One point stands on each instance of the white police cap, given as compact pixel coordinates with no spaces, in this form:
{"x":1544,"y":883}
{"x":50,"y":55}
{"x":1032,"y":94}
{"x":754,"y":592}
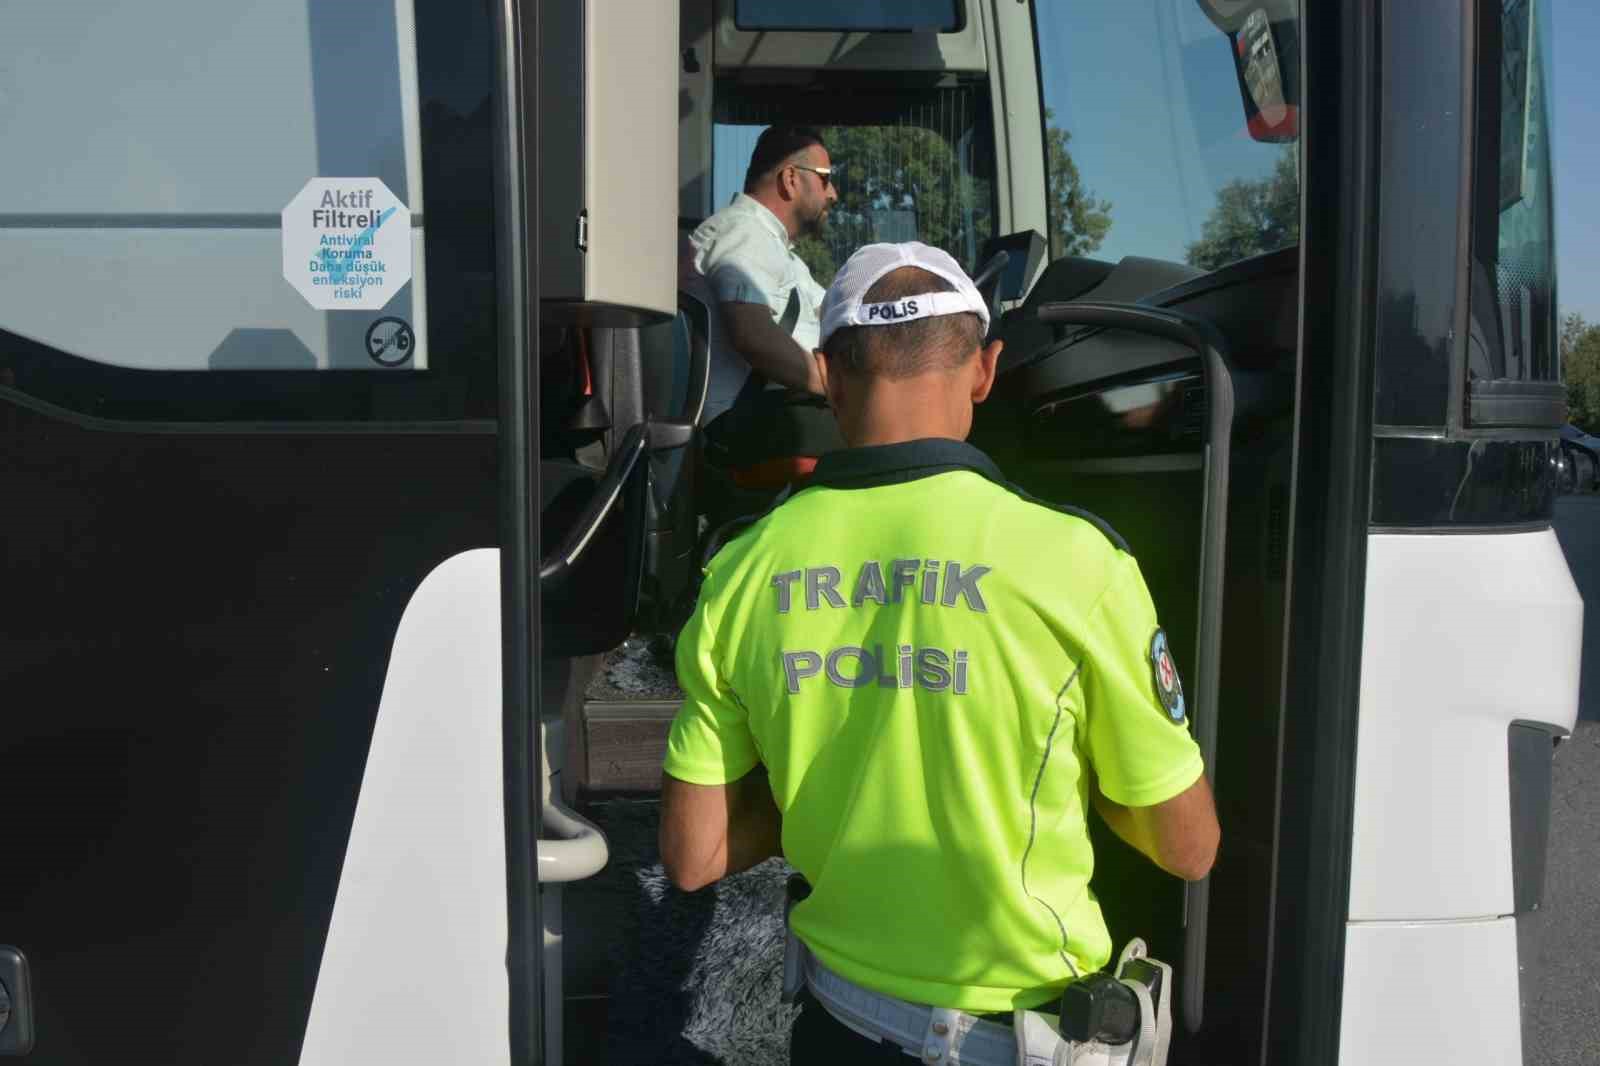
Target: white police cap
{"x":842,"y":305}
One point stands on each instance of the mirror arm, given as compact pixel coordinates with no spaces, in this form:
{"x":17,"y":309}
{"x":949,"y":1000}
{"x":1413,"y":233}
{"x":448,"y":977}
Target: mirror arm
{"x":988,"y":283}
{"x":991,"y":270}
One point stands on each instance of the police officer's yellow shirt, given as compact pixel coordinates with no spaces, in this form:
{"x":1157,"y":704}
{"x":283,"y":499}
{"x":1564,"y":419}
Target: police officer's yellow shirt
{"x":929,"y":663}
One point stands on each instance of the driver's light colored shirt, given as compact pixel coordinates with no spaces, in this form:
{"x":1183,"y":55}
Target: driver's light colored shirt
{"x":745,"y":256}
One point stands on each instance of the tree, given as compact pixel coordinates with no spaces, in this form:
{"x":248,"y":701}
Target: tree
{"x":1078,"y":222}
{"x":1573,"y":327}
{"x":1251,"y":217}
{"x":1580,"y":365}
{"x":897,"y":183}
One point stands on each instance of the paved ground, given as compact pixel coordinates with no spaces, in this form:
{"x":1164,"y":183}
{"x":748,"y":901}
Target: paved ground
{"x":1561,"y":943}
{"x":1578,"y":527}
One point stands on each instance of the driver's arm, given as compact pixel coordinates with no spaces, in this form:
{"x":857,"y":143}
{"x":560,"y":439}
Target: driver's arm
{"x":1180,"y":835}
{"x":744,"y":271}
{"x":767,"y":348}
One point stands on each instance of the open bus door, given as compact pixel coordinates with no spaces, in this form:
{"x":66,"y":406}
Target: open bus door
{"x":274,"y":547}
{"x":222,"y":490}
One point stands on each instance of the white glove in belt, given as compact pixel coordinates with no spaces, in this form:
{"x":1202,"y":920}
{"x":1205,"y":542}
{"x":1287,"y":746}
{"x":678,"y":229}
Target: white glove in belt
{"x":946,"y":1037}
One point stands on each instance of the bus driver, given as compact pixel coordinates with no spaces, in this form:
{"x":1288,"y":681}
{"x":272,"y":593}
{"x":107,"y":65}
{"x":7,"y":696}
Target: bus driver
{"x":745,"y":253}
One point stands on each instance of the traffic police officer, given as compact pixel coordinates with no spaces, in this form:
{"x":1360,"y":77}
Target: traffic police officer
{"x":911,"y":680}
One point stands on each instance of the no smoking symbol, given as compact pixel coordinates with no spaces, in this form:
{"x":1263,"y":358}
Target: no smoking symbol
{"x":389,"y":341}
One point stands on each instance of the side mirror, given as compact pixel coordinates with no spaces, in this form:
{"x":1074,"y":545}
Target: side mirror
{"x":1009,"y":263}
{"x":1265,"y":40}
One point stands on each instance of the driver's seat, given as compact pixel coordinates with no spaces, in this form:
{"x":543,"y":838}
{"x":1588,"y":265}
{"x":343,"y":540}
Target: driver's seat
{"x":768,"y":441}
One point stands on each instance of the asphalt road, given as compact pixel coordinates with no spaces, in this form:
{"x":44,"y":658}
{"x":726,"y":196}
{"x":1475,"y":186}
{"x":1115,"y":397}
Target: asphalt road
{"x":1561,"y":942}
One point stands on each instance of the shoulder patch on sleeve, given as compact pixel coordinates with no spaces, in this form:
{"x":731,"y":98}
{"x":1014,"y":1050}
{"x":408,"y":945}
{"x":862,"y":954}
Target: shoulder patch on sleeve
{"x":1076,"y":512}
{"x":1169,"y":689}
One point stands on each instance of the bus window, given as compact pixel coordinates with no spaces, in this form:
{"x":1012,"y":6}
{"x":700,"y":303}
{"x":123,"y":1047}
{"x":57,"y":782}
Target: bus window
{"x":908,"y":166}
{"x":1147,"y":149}
{"x":152,"y":152}
{"x":1512,"y":289}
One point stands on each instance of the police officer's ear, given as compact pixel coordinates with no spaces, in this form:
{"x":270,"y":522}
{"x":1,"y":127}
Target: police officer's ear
{"x":984,"y":369}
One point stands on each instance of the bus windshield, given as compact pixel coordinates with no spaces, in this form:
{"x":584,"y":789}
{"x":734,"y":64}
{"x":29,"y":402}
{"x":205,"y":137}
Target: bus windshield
{"x":1148,"y":150}
{"x":908,"y":165}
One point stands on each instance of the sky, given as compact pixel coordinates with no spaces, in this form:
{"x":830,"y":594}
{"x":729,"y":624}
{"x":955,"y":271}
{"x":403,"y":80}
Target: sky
{"x":1576,"y":81}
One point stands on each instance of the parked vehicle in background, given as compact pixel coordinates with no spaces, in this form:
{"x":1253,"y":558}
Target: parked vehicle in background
{"x":1580,"y":460}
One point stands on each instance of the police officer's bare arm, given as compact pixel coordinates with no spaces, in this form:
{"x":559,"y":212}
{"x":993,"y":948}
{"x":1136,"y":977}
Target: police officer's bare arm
{"x":710,"y":831}
{"x":1180,"y":835}
{"x":770,"y":351}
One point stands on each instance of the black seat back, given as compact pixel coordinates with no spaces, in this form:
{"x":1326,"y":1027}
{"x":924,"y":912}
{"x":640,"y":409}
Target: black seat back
{"x":675,"y":372}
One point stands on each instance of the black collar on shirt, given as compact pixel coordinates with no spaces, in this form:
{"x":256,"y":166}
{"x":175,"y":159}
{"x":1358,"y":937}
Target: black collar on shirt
{"x":892,"y":464}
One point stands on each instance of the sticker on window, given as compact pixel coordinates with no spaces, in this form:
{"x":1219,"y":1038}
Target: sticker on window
{"x":346,"y":244}
{"x":389,"y":341}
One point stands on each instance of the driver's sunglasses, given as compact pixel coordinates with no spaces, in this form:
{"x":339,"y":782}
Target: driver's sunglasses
{"x":825,"y":173}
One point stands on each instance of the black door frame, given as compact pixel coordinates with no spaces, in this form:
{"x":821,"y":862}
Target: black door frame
{"x":516,"y":125}
{"x":1329,"y":523}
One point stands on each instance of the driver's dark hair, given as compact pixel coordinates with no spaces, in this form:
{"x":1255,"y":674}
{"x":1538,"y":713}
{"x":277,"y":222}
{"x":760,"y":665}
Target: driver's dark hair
{"x":776,"y":144}
{"x":905,"y":349}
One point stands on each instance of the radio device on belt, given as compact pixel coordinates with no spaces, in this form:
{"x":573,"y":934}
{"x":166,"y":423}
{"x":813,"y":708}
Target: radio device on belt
{"x":1103,"y":1019}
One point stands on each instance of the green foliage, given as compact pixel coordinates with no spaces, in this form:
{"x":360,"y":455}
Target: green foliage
{"x":1078,"y":222}
{"x":906,"y":181}
{"x":1580,"y":365}
{"x":898,"y":183}
{"x":1251,"y":217}
{"x":818,"y":255}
